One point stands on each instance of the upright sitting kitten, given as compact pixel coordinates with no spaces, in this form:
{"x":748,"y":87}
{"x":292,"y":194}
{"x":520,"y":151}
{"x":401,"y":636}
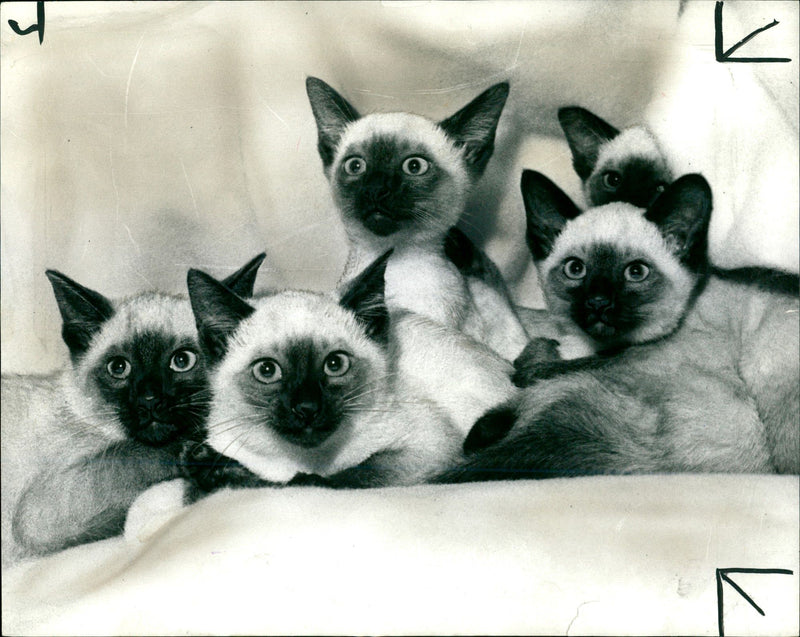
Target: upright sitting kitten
{"x":80,"y":445}
{"x":401,"y":181}
{"x":713,"y":386}
{"x":304,"y":386}
{"x":614,"y":166}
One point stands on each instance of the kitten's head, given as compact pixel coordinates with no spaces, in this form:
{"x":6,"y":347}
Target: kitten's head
{"x":291,"y":369}
{"x":395,"y":174}
{"x":620,"y":276}
{"x":136,"y":363}
{"x":624,"y":166}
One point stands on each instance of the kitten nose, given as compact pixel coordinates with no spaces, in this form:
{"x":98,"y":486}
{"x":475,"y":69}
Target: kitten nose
{"x":599,"y":302}
{"x":306,"y":410}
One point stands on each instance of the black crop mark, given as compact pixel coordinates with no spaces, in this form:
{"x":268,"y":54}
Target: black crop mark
{"x":39,"y":26}
{"x":725,"y":56}
{"x":722,"y":574}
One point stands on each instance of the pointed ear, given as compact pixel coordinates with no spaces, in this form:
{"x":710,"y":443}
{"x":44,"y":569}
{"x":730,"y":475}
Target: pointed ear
{"x":332,"y":113}
{"x":364,"y":296}
{"x":83,"y":312}
{"x":586,"y":133}
{"x":547,"y":210}
{"x":243,"y":280}
{"x":474,"y":126}
{"x":682,"y":213}
{"x":217,"y":312}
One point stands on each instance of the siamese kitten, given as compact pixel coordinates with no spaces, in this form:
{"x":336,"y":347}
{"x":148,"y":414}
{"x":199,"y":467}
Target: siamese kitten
{"x":614,"y":166}
{"x":77,"y":447}
{"x":604,"y":297}
{"x":401,"y":181}
{"x":713,"y":386}
{"x":305,"y":392}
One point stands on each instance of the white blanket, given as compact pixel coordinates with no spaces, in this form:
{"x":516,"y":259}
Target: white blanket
{"x":141,"y":139}
{"x":601,"y":556}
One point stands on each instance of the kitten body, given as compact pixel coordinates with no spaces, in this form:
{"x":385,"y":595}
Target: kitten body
{"x":79,"y":445}
{"x":400,"y":181}
{"x":717,"y":390}
{"x":305,"y":385}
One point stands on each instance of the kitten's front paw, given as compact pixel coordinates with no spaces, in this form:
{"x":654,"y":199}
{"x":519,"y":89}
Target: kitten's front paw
{"x":528,"y":363}
{"x":490,"y":428}
{"x":308,"y":480}
{"x":209,"y":470}
{"x":154,"y":508}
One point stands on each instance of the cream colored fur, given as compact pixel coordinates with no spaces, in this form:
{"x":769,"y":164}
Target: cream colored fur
{"x":395,"y":418}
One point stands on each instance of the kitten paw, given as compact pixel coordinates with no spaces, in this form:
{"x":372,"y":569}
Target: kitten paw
{"x":209,"y":470}
{"x":538,"y":350}
{"x":153,"y":509}
{"x":490,"y":428}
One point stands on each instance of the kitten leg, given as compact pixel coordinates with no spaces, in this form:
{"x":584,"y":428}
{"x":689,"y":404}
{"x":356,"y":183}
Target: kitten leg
{"x":207,"y":470}
{"x":490,"y":428}
{"x":154,"y":508}
{"x":88,"y":500}
{"x":497,"y":323}
{"x":539,"y":360}
{"x":570,"y":428}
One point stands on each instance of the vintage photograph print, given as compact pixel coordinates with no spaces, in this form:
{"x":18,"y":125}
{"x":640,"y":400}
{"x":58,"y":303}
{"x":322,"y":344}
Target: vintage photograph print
{"x":400,"y":317}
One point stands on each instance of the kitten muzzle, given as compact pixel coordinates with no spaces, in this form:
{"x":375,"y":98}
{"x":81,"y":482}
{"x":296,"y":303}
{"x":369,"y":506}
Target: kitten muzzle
{"x":306,"y":435}
{"x":381,"y":222}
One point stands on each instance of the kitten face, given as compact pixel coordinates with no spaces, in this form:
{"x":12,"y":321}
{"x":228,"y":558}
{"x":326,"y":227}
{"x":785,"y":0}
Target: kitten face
{"x":145,"y":368}
{"x":294,"y":372}
{"x":624,"y":166}
{"x":137,"y":367}
{"x":299,"y":384}
{"x":611,"y":273}
{"x":620,"y":276}
{"x":397,"y":173}
{"x":388,"y":177}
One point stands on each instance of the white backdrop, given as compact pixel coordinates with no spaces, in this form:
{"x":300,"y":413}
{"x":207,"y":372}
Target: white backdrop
{"x":141,"y":139}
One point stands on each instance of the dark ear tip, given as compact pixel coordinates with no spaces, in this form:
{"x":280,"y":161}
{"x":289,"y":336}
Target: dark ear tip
{"x":694,"y":179}
{"x":258,"y":259}
{"x":197,"y":277}
{"x":532,"y":177}
{"x":502,"y":87}
{"x":568,"y":114}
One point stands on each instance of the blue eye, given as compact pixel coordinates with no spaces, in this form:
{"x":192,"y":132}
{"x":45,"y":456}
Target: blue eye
{"x":416,"y":166}
{"x":267,"y":371}
{"x":574,"y":269}
{"x":355,"y":165}
{"x":336,"y":364}
{"x":183,"y":360}
{"x":119,"y":368}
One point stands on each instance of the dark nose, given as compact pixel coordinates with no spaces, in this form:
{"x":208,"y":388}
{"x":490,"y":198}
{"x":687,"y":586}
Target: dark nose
{"x":598,"y":303}
{"x":306,"y":410}
{"x":381,"y":186}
